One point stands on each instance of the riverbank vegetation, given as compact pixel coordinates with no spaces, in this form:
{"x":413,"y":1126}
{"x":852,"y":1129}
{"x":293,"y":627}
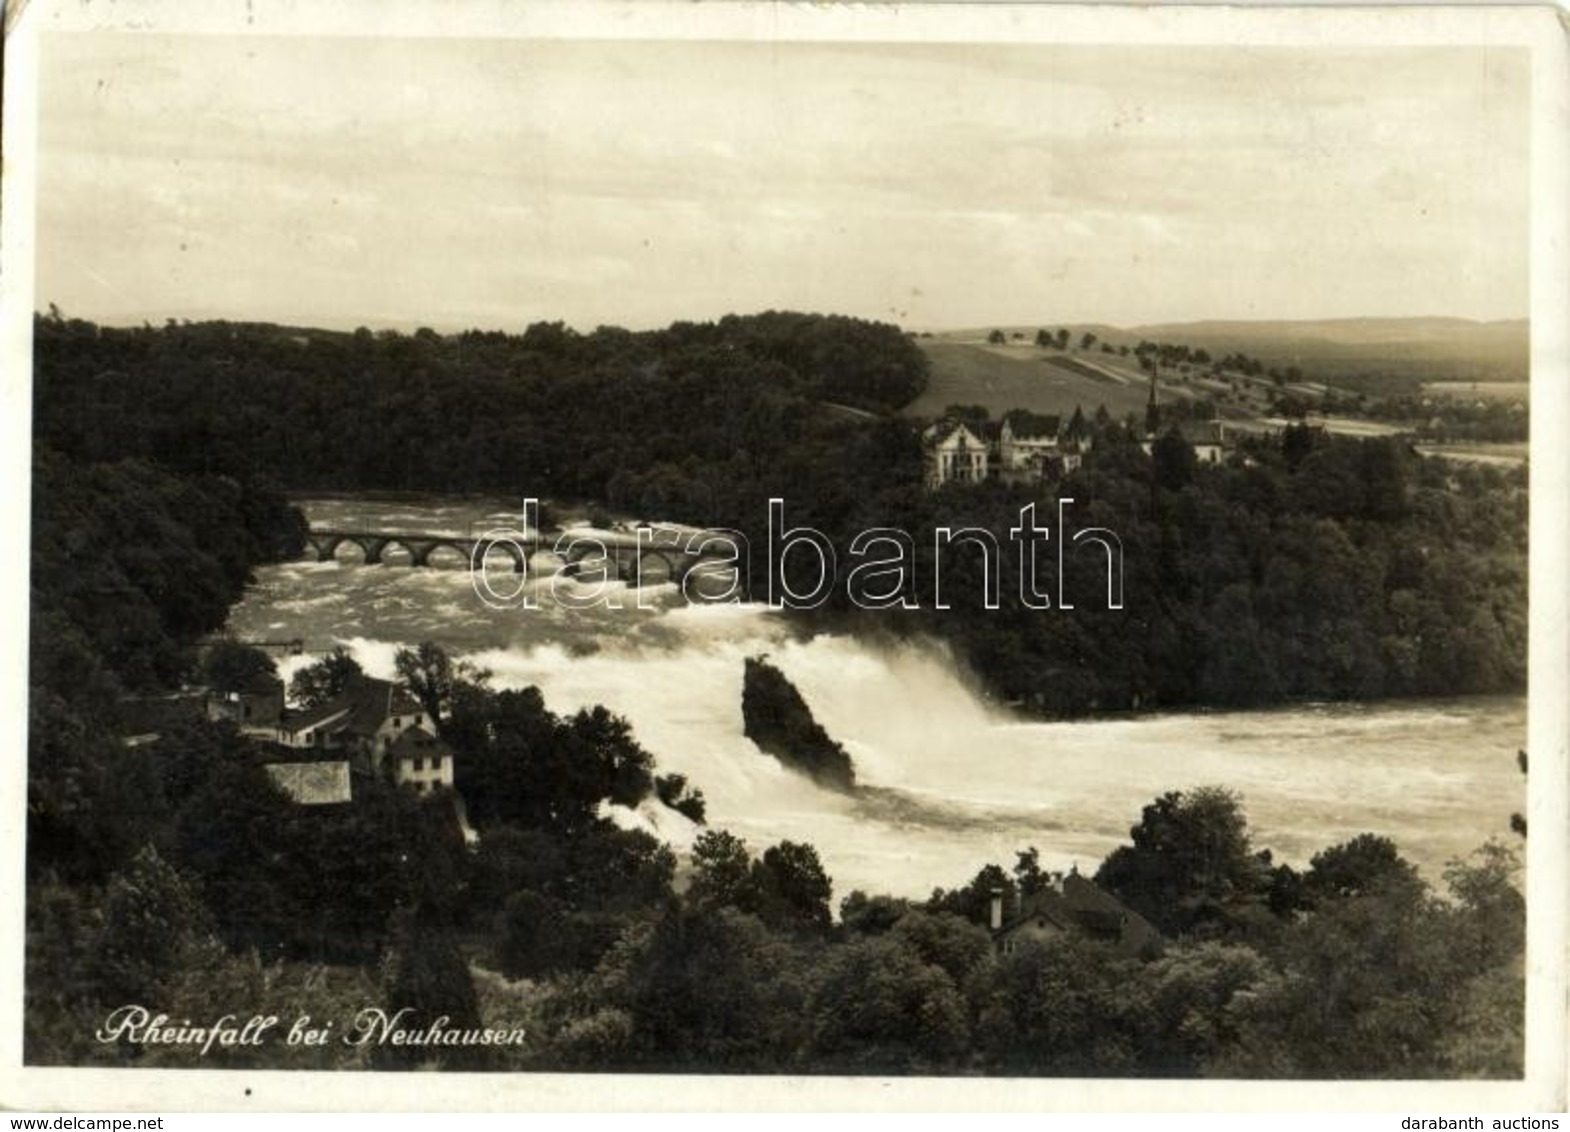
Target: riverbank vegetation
{"x":1305,"y":566}
{"x":612,"y":956}
{"x":166,"y":868}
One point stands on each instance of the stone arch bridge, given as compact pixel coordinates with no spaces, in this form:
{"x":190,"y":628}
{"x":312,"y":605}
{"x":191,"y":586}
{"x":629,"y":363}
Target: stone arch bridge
{"x":582,"y":552}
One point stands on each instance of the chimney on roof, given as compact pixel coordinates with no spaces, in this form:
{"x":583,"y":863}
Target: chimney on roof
{"x":995,"y":912}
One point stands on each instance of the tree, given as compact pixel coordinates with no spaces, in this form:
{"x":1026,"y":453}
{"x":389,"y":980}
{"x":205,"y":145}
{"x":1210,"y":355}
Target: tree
{"x":325,"y":680}
{"x":1382,"y":468}
{"x":507,"y":746}
{"x":871,"y":915}
{"x":794,"y":890}
{"x":1065,"y":1006}
{"x":1368,"y":987}
{"x":957,"y":946}
{"x":618,"y":769}
{"x":230,"y":666}
{"x":434,"y":678}
{"x":1027,"y":872}
{"x":232,"y":835}
{"x":706,"y":988}
{"x":1189,"y":860}
{"x":1297,"y":441}
{"x":1490,"y":929}
{"x":1087,"y":340}
{"x":673,"y":790}
{"x":997,"y":338}
{"x":1173,"y":457}
{"x":721,"y":872}
{"x":1488,"y":1039}
{"x":532,"y":936}
{"x":426,"y":975}
{"x":151,"y":920}
{"x":1077,"y":428}
{"x":878,"y":1007}
{"x":974,"y":901}
{"x":1365,"y":865}
{"x":1195,"y":996}
{"x":519,"y":763}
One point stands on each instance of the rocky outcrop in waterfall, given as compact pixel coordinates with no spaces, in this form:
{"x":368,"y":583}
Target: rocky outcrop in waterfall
{"x":777,"y":719}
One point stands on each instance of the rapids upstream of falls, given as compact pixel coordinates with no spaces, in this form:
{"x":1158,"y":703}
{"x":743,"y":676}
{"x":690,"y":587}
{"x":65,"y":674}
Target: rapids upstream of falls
{"x":947,"y":781}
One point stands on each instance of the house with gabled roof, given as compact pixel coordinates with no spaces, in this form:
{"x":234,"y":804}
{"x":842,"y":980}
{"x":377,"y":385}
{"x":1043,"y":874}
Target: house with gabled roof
{"x":1077,"y":906}
{"x":1208,"y":439}
{"x":956,"y":452}
{"x":418,"y":758}
{"x":1037,"y":446}
{"x":319,"y":728}
{"x":1025,"y":438}
{"x":1023,"y":447}
{"x":364,"y":723}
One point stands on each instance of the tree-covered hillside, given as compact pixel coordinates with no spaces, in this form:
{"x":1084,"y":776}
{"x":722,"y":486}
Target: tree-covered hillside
{"x":1304,"y":566}
{"x":172,"y":871}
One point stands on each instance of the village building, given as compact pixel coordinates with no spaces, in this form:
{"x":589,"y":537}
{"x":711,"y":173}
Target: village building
{"x":419,"y":759}
{"x":1025,"y":447}
{"x":1208,"y":439}
{"x":256,"y":707}
{"x":1076,"y":906}
{"x":1033,"y":446}
{"x":317,"y":728}
{"x":366,"y":724}
{"x":955,"y":454}
{"x":1025,"y":439}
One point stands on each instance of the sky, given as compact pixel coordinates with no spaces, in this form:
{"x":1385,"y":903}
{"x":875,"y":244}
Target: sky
{"x":346,"y":181}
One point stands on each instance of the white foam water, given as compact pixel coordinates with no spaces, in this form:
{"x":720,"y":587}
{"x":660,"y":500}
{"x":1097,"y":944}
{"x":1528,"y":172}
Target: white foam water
{"x":948,"y":781}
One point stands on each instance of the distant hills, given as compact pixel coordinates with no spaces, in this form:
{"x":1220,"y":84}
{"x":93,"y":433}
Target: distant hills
{"x":1424,"y":349}
{"x":1375,"y":355}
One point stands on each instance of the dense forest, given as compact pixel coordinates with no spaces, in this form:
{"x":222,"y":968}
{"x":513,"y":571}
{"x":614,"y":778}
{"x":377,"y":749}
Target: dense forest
{"x":1309,"y":567}
{"x":173,"y":872}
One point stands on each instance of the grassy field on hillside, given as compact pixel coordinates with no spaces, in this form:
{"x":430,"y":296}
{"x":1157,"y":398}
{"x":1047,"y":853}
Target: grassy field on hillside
{"x":1480,"y":390}
{"x":1018,"y":377}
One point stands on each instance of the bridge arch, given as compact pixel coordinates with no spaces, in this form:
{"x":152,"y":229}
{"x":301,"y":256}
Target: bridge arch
{"x":324,"y":547}
{"x":429,"y":549}
{"x":403,"y":552}
{"x":493,"y":548}
{"x":338,"y":546}
{"x":445,"y":554}
{"x":651,"y":568}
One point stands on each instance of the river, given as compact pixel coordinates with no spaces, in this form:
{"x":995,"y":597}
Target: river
{"x":952,"y":782}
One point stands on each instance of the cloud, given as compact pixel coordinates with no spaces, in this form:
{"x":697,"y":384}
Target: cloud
{"x":638,"y":183}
